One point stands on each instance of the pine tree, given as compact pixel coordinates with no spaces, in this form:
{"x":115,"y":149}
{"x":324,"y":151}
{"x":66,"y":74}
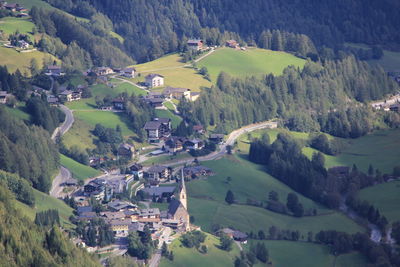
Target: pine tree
{"x":229,"y":198}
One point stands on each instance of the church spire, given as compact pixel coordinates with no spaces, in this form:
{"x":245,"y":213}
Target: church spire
{"x":182,"y":192}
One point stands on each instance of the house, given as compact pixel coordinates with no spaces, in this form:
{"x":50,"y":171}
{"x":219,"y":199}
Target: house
{"x":23,"y":44}
{"x":118,"y":205}
{"x":232,"y":44}
{"x":126,"y":150}
{"x":84,"y":209}
{"x":195,"y":44}
{"x":54,"y":70}
{"x":197,"y":171}
{"x":198,"y":129}
{"x":157,"y":129}
{"x":102,"y":71}
{"x":128,"y":72}
{"x":159,"y":192}
{"x":216,"y":138}
{"x":175,"y":144}
{"x":155,"y":102}
{"x":71,"y":182}
{"x":194,"y":96}
{"x":87,"y":216}
{"x":178,"y":209}
{"x":118,"y":104}
{"x":66,"y":95}
{"x":159,"y":172}
{"x":120,"y":227}
{"x":52,"y":100}
{"x":149,"y":215}
{"x":194,"y":144}
{"x":12,"y":7}
{"x":177,"y":93}
{"x":107,"y":215}
{"x":155,"y":94}
{"x":137,"y":170}
{"x":236,"y":235}
{"x":154,"y":80}
{"x":3,"y":97}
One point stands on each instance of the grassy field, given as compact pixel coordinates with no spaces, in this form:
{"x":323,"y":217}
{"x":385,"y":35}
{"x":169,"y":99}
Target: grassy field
{"x":248,"y":63}
{"x":385,"y":197}
{"x":184,"y":257}
{"x":80,"y":135}
{"x":380,"y":148}
{"x":176,"y":75}
{"x":19,"y":112}
{"x":165,"y":158}
{"x":46,"y":202}
{"x":390,"y":60}
{"x":30,"y":3}
{"x":79,"y":171}
{"x":163,"y":113}
{"x":15,"y":60}
{"x":207,"y":205}
{"x":299,"y":254}
{"x":106,"y":118}
{"x":10,"y":25}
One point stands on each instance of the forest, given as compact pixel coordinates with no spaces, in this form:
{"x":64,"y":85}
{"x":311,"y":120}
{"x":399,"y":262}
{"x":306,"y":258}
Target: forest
{"x":324,"y":96}
{"x":153,"y":28}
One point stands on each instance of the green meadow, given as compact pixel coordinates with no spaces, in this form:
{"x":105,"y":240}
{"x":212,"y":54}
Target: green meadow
{"x":166,"y":113}
{"x":10,"y":25}
{"x":207,"y":205}
{"x":301,"y":254}
{"x":184,"y":257}
{"x":248,"y":63}
{"x":78,"y":170}
{"x":80,"y":134}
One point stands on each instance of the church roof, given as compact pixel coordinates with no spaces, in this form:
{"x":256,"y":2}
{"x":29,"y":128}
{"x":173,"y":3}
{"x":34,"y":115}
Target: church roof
{"x":173,"y":206}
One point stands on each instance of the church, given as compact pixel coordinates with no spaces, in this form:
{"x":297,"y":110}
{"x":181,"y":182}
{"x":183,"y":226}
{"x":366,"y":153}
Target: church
{"x":177,"y":209}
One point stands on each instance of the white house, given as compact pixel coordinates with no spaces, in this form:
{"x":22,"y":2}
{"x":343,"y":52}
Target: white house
{"x":154,"y":80}
{"x":128,"y":72}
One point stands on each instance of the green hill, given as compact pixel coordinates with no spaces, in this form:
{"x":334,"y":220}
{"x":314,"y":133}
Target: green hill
{"x":247,"y":63}
{"x":79,"y":171}
{"x":184,"y":257}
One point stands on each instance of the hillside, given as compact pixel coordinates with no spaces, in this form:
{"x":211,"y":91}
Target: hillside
{"x":248,"y":63}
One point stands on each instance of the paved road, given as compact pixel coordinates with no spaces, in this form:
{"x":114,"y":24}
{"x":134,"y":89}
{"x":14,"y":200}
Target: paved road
{"x":63,"y":175}
{"x":66,"y":125}
{"x":155,"y":259}
{"x":222,"y":148}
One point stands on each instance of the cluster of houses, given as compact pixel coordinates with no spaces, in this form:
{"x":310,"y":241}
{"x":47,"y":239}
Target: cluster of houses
{"x":129,"y":72}
{"x":125,"y":217}
{"x":13,"y":7}
{"x":391,"y":104}
{"x":156,"y":98}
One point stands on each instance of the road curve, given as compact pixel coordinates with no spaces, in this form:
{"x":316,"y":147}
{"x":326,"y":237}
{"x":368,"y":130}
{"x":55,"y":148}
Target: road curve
{"x":62,"y":176}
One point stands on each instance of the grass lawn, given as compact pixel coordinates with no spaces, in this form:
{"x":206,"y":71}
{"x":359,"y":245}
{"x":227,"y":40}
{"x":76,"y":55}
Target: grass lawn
{"x":107,"y":119}
{"x":385,"y":197}
{"x":10,"y":25}
{"x":79,"y":171}
{"x":380,"y":148}
{"x":354,"y":259}
{"x":46,"y":202}
{"x":165,"y":158}
{"x":184,"y":257}
{"x":169,"y":105}
{"x":248,"y":180}
{"x":163,"y":113}
{"x":123,"y":87}
{"x":176,"y":75}
{"x":30,"y":3}
{"x":80,"y":135}
{"x":19,"y":112}
{"x":247,"y":63}
{"x":15,"y":60}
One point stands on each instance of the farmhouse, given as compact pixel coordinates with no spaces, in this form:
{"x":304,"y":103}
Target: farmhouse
{"x":118,"y":205}
{"x":3,"y":97}
{"x":52,"y":100}
{"x":197,"y":171}
{"x":195,"y":44}
{"x":194,"y":96}
{"x":177,"y":93}
{"x":159,"y":173}
{"x":194,"y":144}
{"x":157,"y":129}
{"x":54,"y":70}
{"x":232,"y":44}
{"x":154,"y":80}
{"x":177,"y":209}
{"x":155,"y":102}
{"x":137,"y":170}
{"x":66,"y":95}
{"x":236,"y":235}
{"x":118,"y":104}
{"x":23,"y":44}
{"x":128,"y":72}
{"x":102,"y":71}
{"x":126,"y":150}
{"x":216,"y":138}
{"x":175,"y":144}
{"x":11,"y":6}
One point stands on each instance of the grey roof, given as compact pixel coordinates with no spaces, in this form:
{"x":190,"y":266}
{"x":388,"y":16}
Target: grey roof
{"x":3,"y":93}
{"x":120,"y":222}
{"x":87,"y":215}
{"x":153,"y":75}
{"x":159,"y":190}
{"x":126,"y":146}
{"x":148,"y":212}
{"x":54,"y":67}
{"x":169,"y":90}
{"x":240,"y":235}
{"x":155,"y":100}
{"x":136,"y":167}
{"x":156,"y":168}
{"x":173,"y":206}
{"x":84,"y":209}
{"x":118,"y":205}
{"x":129,"y":69}
{"x":66,"y":92}
{"x":163,"y":120}
{"x":217,"y":136}
{"x":152,"y":125}
{"x":228,"y":231}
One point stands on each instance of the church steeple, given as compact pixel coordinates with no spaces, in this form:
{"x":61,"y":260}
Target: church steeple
{"x":182,"y":191}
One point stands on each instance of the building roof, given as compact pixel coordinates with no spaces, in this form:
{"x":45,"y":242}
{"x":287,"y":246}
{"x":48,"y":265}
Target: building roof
{"x":228,"y":231}
{"x":126,"y":146}
{"x":239,"y":235}
{"x":136,"y":167}
{"x":66,"y":92}
{"x":84,"y":209}
{"x":3,"y":93}
{"x":159,"y":190}
{"x":149,"y":212}
{"x":54,"y":67}
{"x":153,"y":75}
{"x":170,"y":90}
{"x":87,"y":215}
{"x":152,"y":125}
{"x":129,"y":69}
{"x":120,"y":222}
{"x":155,"y":100}
{"x":163,"y":120}
{"x":173,"y":206}
{"x":217,"y":136}
{"x":157,"y":169}
{"x":113,"y":215}
{"x":119,"y":205}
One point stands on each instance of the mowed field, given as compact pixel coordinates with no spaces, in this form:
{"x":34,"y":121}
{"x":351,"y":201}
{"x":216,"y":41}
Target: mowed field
{"x":248,"y":63}
{"x":15,"y":60}
{"x":184,"y":257}
{"x":300,"y":254}
{"x":207,"y":205}
{"x":78,"y":170}
{"x":174,"y":71}
{"x":10,"y":25}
